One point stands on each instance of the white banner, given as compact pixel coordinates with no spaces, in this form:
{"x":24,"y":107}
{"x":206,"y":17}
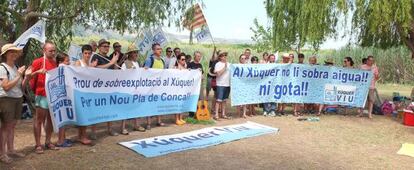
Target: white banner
{"x":84,"y":96}
{"x":203,"y":34}
{"x":37,"y":31}
{"x":74,"y":52}
{"x":159,"y":37}
{"x":161,"y":145}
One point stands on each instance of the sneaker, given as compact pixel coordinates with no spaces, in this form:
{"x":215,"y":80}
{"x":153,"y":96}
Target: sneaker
{"x":272,"y":114}
{"x":264,"y":113}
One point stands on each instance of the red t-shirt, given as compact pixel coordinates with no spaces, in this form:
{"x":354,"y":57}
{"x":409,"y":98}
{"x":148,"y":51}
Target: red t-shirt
{"x":39,"y":80}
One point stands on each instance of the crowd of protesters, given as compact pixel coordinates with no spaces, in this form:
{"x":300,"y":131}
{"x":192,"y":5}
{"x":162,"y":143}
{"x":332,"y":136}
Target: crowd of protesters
{"x":13,"y":80}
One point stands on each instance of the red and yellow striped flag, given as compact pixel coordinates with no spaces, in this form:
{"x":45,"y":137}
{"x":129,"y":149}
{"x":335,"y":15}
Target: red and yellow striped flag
{"x":194,"y":18}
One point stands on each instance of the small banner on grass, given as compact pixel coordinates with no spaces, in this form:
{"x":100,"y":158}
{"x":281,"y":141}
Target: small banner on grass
{"x":162,"y":145}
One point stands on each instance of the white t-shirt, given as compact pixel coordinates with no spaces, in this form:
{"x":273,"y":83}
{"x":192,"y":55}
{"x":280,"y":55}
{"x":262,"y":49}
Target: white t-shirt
{"x":167,"y":61}
{"x":134,"y":63}
{"x":223,"y":79}
{"x":16,"y":91}
{"x":172,"y":62}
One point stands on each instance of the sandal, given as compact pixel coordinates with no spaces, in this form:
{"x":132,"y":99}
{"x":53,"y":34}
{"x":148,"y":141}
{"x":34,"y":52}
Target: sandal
{"x":140,"y":129}
{"x":125,"y":132}
{"x":90,"y":143}
{"x":64,"y":145}
{"x":6,"y":159}
{"x":216,"y":118}
{"x":160,"y":124}
{"x":39,"y":149}
{"x":51,"y":146}
{"x":225,"y":117}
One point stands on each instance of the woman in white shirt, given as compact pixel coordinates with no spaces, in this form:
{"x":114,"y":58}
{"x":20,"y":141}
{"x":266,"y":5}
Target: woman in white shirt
{"x":131,"y":63}
{"x":180,"y":64}
{"x":11,"y":98}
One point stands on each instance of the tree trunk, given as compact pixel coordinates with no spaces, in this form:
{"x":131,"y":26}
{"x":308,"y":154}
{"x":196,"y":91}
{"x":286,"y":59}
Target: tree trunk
{"x":191,"y":37}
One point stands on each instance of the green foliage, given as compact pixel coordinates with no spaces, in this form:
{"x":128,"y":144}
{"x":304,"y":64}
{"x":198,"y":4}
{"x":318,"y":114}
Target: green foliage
{"x":299,"y":23}
{"x":60,"y":15}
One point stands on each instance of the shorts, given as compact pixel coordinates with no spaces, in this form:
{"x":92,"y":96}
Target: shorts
{"x":371,"y":95}
{"x":222,"y":93}
{"x":41,"y":101}
{"x":10,"y":109}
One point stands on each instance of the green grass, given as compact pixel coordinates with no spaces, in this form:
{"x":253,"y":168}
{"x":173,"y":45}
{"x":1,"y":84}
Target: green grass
{"x":202,"y":122}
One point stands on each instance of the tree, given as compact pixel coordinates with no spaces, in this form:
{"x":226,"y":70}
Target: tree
{"x":122,"y":15}
{"x":378,"y":23}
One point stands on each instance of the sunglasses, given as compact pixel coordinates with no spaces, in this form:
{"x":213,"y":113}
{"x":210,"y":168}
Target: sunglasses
{"x":345,"y":61}
{"x":169,"y":51}
{"x":105,"y":46}
{"x":183,"y":59}
{"x":118,"y":46}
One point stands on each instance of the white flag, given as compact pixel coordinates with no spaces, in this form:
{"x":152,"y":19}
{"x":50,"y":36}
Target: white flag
{"x":37,"y":31}
{"x":203,"y":34}
{"x":144,"y":44}
{"x":74,"y":52}
{"x":159,"y":37}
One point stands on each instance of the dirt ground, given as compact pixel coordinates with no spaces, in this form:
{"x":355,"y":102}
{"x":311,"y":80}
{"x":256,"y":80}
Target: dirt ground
{"x":335,"y":142}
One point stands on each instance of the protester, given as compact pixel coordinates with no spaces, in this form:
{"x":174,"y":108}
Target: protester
{"x":168,"y":56}
{"x":188,"y":59}
{"x":211,"y":78}
{"x":84,"y":62}
{"x":117,"y":50}
{"x":297,"y":106}
{"x":328,"y":62}
{"x":265,"y":58}
{"x":348,"y":62}
{"x":364,"y":61}
{"x":196,"y":65}
{"x":286,"y":59}
{"x":269,"y":109}
{"x":242,"y":108}
{"x":93,"y":45}
{"x":291,"y":58}
{"x":173,"y":60}
{"x":310,"y":108}
{"x":155,"y":61}
{"x":105,"y":62}
{"x":255,"y":60}
{"x":181,"y":65}
{"x":11,"y":98}
{"x":222,"y":70}
{"x":248,"y":54}
{"x":370,"y":66}
{"x":62,"y":59}
{"x":131,"y":63}
{"x":39,"y":67}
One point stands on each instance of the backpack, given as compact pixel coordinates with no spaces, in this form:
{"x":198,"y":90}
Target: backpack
{"x":7,"y":71}
{"x":152,"y":61}
{"x":386,"y":108}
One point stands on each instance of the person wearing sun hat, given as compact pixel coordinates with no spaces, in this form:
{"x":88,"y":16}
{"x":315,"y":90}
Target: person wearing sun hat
{"x":131,"y":63}
{"x":11,"y":98}
{"x":329,"y":61}
{"x":285,"y":58}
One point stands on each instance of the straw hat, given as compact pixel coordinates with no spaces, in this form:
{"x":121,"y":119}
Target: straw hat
{"x":329,"y":60}
{"x":9,"y":47}
{"x":285,"y":55}
{"x":132,"y":48}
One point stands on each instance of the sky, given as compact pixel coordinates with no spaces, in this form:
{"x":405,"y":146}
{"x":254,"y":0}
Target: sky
{"x":232,"y":19}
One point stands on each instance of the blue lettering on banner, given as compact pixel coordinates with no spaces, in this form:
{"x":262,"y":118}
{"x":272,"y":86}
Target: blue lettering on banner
{"x":161,"y":145}
{"x":298,"y":83}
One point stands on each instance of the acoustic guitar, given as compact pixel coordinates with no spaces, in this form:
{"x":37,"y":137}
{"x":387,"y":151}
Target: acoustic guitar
{"x":202,"y":110}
